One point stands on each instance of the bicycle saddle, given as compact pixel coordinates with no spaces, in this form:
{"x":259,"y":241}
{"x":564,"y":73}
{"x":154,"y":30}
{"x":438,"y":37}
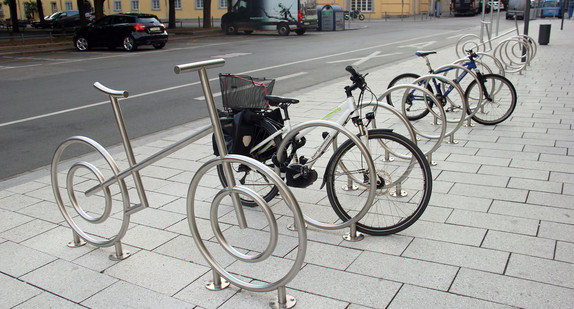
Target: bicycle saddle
{"x":276,"y":100}
{"x":424,"y":53}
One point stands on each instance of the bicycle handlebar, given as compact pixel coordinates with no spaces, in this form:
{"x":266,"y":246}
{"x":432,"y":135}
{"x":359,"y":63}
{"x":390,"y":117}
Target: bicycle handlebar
{"x":358,"y":80}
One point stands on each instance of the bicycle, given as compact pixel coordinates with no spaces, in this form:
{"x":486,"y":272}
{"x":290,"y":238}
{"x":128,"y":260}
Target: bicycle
{"x":403,"y":175}
{"x":490,"y":98}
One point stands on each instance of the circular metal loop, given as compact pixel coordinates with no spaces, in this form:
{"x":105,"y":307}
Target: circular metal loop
{"x":286,"y":196}
{"x":467,"y":42}
{"x":88,"y":237}
{"x":296,"y":131}
{"x":457,"y":68}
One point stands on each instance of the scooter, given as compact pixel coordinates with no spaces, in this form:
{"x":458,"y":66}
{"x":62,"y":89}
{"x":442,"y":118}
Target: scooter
{"x":354,"y":14}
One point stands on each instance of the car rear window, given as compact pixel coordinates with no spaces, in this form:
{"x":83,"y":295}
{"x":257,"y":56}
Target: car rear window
{"x":148,"y":21}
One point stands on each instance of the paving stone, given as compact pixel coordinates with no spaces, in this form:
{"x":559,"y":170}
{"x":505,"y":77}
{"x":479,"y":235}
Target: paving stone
{"x":510,"y":291}
{"x":11,"y":220}
{"x":536,"y":212}
{"x":565,"y":251}
{"x":14,"y":291}
{"x":496,"y":193}
{"x":541,"y":270}
{"x":407,"y":270}
{"x":550,"y":199}
{"x":48,"y":300}
{"x":457,"y":255}
{"x":446,"y":232}
{"x":528,"y":245}
{"x":494,"y":222}
{"x":68,"y":280}
{"x":18,"y":260}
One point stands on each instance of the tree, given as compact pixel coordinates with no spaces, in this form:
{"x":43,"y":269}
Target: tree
{"x":30,"y":9}
{"x":14,"y":15}
{"x":171,"y":13}
{"x":40,"y":10}
{"x":99,"y":8}
{"x":206,"y":13}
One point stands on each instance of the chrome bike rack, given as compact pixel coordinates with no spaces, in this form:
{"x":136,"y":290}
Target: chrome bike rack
{"x":86,"y":182}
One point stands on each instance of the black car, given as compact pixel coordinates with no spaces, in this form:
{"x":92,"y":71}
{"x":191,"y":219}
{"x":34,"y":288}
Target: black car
{"x":52,"y":20}
{"x":128,"y":30}
{"x":73,"y":21}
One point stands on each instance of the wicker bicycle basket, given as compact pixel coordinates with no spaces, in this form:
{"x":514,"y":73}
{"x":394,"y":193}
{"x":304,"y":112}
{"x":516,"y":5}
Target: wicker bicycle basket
{"x":244,"y":92}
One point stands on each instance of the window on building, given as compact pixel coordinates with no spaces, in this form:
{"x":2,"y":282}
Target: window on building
{"x":68,"y":5}
{"x":53,"y":7}
{"x":177,"y":4}
{"x":362,"y":5}
{"x":135,"y":4}
{"x":118,"y":5}
{"x":155,"y":6}
{"x":222,"y":4}
{"x":199,"y":4}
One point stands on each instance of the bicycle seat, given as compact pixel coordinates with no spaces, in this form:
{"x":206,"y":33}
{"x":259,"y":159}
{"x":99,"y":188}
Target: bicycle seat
{"x":276,"y":100}
{"x":424,"y":53}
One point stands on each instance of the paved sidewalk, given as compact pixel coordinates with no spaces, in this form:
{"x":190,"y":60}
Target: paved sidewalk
{"x":498,"y":232}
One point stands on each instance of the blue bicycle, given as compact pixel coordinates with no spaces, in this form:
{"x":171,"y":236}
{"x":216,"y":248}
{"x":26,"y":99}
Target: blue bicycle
{"x":491,"y":98}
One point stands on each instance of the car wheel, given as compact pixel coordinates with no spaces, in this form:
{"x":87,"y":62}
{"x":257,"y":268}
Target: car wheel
{"x":248,"y":31}
{"x":158,"y":45}
{"x":230,"y":29}
{"x":81,"y":44}
{"x":129,"y":43}
{"x":283,"y":29}
{"x":300,"y":31}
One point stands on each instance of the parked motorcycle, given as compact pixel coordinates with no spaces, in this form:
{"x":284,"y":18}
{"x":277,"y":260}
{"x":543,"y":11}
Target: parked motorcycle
{"x":354,"y":15}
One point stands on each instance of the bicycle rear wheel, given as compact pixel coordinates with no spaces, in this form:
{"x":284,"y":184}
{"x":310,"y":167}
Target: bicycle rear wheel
{"x":252,"y":178}
{"x":415,"y":107}
{"x":404,"y":183}
{"x":498,"y":103}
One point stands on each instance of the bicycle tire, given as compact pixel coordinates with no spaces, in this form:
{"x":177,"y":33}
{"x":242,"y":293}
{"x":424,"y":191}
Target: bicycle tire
{"x":390,"y":213}
{"x":413,"y":112}
{"x":499,"y":99}
{"x":253,"y":179}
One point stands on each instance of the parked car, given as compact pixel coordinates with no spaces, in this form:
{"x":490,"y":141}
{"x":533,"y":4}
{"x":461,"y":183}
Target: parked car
{"x":126,"y":30}
{"x":495,"y":5}
{"x":71,"y":21}
{"x":551,"y":8}
{"x":515,"y":9}
{"x":51,"y":20}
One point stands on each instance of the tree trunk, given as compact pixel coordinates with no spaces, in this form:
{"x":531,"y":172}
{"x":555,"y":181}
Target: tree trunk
{"x":206,"y":13}
{"x":82,"y":12}
{"x":171,"y":4}
{"x":40,"y":10}
{"x":14,"y":16}
{"x":99,"y":8}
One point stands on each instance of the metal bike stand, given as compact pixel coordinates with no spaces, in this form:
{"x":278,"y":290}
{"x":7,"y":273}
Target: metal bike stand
{"x":76,"y":216}
{"x":353,"y":235}
{"x":219,"y":272}
{"x":428,"y":94}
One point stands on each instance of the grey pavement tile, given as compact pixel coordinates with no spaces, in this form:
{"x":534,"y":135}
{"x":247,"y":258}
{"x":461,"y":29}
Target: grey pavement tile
{"x":436,"y":214}
{"x":490,"y":221}
{"x":463,"y":235}
{"x":417,"y":297}
{"x":556,"y":158}
{"x":54,"y":242}
{"x":126,"y":295}
{"x":147,"y":237}
{"x":197,"y":293}
{"x":331,"y":256}
{"x":157,"y":272}
{"x":499,"y":146}
{"x":156,"y":218}
{"x":45,"y":210}
{"x":68,"y":280}
{"x":391,"y":244}
{"x":334,"y":284}
{"x":516,"y":243}
{"x":457,"y":255}
{"x":27,"y":187}
{"x":99,"y":260}
{"x":17,"y":201}
{"x":550,"y":199}
{"x":543,"y":166}
{"x":11,"y":220}
{"x":541,"y":270}
{"x":568,"y":189}
{"x":27,"y":230}
{"x":486,"y":191}
{"x":535,"y":185}
{"x":511,"y":291}
{"x":544,"y":213}
{"x":184,"y":248}
{"x":18,"y":260}
{"x":565,"y":251}
{"x":14,"y":291}
{"x":524,"y":155}
{"x":467,"y":167}
{"x":48,"y":300}
{"x":479,"y":179}
{"x":514,"y":172}
{"x":460,"y":202}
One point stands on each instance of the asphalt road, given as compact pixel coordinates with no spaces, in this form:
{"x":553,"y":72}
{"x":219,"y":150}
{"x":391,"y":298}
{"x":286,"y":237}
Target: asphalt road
{"x":48,"y":97}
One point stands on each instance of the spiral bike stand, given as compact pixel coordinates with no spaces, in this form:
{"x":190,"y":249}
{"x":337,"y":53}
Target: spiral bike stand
{"x":91,"y":187}
{"x":352,"y":182}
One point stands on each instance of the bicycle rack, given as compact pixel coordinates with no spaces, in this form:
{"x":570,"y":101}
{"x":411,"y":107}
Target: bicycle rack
{"x":94,"y":183}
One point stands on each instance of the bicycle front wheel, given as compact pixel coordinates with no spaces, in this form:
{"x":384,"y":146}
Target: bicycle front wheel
{"x":498,"y":102}
{"x":404,"y":183}
{"x":415,"y":106}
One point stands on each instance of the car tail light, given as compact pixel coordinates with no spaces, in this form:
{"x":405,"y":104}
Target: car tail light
{"x":299,"y":16}
{"x":139,"y":27}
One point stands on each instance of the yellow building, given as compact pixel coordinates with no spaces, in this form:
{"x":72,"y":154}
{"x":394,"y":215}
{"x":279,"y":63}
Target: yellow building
{"x":193,"y":9}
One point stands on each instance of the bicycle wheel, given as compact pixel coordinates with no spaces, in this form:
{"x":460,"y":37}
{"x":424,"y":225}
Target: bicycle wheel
{"x":498,"y":103}
{"x":415,"y":108}
{"x":252,"y":178}
{"x":404,"y":183}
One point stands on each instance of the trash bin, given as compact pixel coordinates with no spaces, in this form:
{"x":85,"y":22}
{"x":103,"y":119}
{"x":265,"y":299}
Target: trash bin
{"x":331,"y":17}
{"x":544,"y":35}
